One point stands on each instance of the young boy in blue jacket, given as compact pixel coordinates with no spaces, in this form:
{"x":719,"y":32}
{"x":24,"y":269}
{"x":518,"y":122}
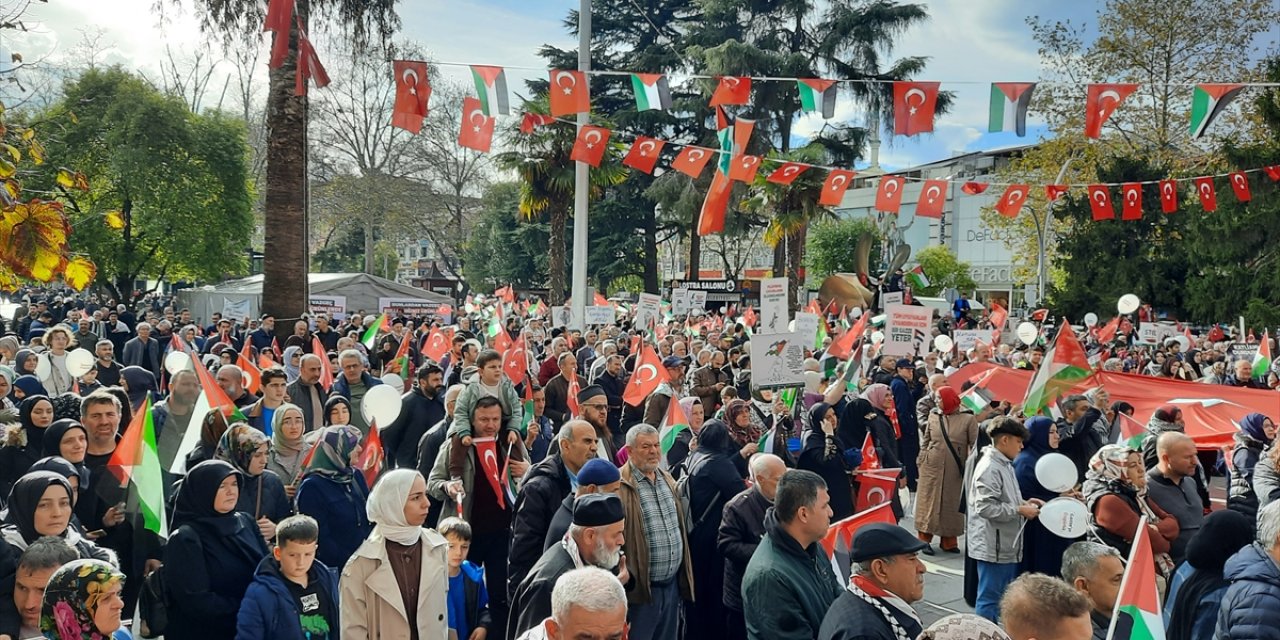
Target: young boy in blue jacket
{"x":468,"y":602}
{"x":293,"y":596}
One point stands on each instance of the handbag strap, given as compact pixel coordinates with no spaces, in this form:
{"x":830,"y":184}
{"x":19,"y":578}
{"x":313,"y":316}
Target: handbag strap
{"x":942,"y":426}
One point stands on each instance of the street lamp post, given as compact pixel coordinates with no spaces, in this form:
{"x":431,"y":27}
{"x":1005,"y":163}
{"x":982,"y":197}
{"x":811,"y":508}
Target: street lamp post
{"x":1042,"y":237}
{"x":580,"y":182}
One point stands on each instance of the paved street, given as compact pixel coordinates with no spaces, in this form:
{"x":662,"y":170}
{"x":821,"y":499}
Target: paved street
{"x":944,"y":584}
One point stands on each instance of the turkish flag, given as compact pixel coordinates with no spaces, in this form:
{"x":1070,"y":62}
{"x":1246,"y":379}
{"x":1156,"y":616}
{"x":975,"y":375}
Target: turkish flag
{"x":572,"y":395}
{"x":309,"y":67}
{"x":1055,"y":191}
{"x":691,"y":161}
{"x":842,"y":347}
{"x":487,"y":452}
{"x":1240,"y":184}
{"x":371,"y":455}
{"x":590,"y":145}
{"x":974,"y":188}
{"x":1131,"y":208}
{"x":569,"y":92}
{"x":1208,"y":195}
{"x":532,"y":121}
{"x":1107,"y":332}
{"x":326,"y":370}
{"x":833,"y":188}
{"x":870,"y":459}
{"x":646,"y":378}
{"x":1100,"y":202}
{"x":435,"y":346}
{"x":643,"y":155}
{"x":279,"y":17}
{"x":913,"y":105}
{"x":1011,"y":202}
{"x":515,"y":362}
{"x":715,"y":205}
{"x":933,"y":196}
{"x":477,"y":128}
{"x":787,"y":173}
{"x":412,"y":92}
{"x":1273,"y":172}
{"x":743,"y":168}
{"x":875,"y":489}
{"x":889,"y":195}
{"x":732,"y":90}
{"x":1100,"y":102}
{"x":1168,"y":196}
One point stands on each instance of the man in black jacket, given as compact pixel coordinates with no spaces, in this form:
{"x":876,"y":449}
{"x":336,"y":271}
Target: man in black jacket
{"x":420,"y":409}
{"x":741,"y":528}
{"x":889,"y":576}
{"x":308,"y":393}
{"x":431,"y":442}
{"x":541,"y":492}
{"x":596,"y":476}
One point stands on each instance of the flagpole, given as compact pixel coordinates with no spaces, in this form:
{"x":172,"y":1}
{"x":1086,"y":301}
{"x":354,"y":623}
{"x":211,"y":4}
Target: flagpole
{"x":580,"y":183}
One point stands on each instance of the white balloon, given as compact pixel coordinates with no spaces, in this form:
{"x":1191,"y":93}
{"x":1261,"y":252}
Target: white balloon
{"x":176,"y":361}
{"x":943,"y":343}
{"x":381,"y":404}
{"x":1128,"y":303}
{"x":1056,"y":472}
{"x":1091,"y":319}
{"x":1065,"y":517}
{"x":79,"y":362}
{"x":393,"y":380}
{"x":43,"y":368}
{"x":1183,"y":342}
{"x":1028,"y":332}
{"x":877,"y":337}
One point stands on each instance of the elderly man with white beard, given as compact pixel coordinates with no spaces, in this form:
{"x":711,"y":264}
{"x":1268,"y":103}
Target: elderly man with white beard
{"x":595,"y":539}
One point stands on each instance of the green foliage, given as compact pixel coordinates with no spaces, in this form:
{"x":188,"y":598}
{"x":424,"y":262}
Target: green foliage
{"x":944,"y":271}
{"x":505,"y":249}
{"x":831,"y":246}
{"x":178,"y":180}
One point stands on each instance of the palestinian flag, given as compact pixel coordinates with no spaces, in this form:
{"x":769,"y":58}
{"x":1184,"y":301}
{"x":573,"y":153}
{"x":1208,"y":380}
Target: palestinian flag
{"x":1064,"y":365}
{"x":137,"y":461}
{"x":1009,"y":102}
{"x":675,"y":422}
{"x":818,"y":95}
{"x":538,"y":309}
{"x":371,"y":334}
{"x":766,"y":442}
{"x":976,"y":399}
{"x":828,"y":364}
{"x":527,"y":419}
{"x":822,"y":333}
{"x":491,"y":87}
{"x":1137,"y":614}
{"x":1132,"y":433}
{"x":211,"y":398}
{"x":653,"y":93}
{"x":917,"y":277}
{"x":1262,"y":359}
{"x":1208,"y":102}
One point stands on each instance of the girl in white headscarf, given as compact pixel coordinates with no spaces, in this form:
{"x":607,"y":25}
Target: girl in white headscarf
{"x":395,"y":584}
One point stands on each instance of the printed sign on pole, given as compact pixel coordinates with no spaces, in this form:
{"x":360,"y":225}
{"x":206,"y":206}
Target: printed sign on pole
{"x":777,"y":360}
{"x":773,"y":306}
{"x":907,"y":331}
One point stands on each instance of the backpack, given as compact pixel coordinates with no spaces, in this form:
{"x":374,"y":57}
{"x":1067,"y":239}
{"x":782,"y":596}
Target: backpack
{"x":153,"y":604}
{"x":686,"y":498}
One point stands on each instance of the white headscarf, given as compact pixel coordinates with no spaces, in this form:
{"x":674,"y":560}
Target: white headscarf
{"x":385,"y":507}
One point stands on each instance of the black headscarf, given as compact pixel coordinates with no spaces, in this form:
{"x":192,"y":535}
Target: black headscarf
{"x":717,"y":439}
{"x":1222,"y":534}
{"x":35,"y":435}
{"x":25,"y":496}
{"x":817,"y":413}
{"x":852,"y":431}
{"x":196,"y":494}
{"x":140,"y":383}
{"x":62,"y":467}
{"x":329,"y":404}
{"x":53,"y":435}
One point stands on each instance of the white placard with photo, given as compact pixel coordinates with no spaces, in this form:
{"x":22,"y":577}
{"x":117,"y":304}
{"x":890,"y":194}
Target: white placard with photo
{"x":777,"y":360}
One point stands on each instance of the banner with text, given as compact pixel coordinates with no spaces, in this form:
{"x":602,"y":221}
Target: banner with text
{"x":907,"y":331}
{"x":773,"y":306}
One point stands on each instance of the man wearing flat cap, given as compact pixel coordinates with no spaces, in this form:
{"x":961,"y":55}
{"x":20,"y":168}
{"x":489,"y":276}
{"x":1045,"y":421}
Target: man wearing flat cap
{"x":672,"y":387}
{"x":595,"y":539}
{"x":887,"y":577}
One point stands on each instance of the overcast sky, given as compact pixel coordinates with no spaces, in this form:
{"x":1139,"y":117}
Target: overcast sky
{"x":973,"y":41}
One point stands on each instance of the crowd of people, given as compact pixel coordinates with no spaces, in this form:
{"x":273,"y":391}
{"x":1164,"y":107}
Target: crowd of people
{"x":538,"y":503}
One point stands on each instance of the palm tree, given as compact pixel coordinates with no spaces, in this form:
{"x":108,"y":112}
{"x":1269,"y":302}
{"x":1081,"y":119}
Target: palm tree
{"x":368,"y":24}
{"x":541,"y":161}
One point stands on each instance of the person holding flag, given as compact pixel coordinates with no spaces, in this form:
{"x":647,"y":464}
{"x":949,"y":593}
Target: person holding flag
{"x":489,"y":382}
{"x":863,"y":423}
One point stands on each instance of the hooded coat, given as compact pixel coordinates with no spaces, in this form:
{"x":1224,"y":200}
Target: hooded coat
{"x":1250,"y":443}
{"x":1252,"y":602}
{"x":1041,"y":550}
{"x":1196,"y":590}
{"x":713,"y":480}
{"x":823,"y":455}
{"x":23,"y":444}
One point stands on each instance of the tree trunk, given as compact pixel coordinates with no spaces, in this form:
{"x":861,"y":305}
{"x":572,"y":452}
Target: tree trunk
{"x":368,"y":246}
{"x":695,"y":247}
{"x":555,"y":256}
{"x":779,"y":259}
{"x":123,"y":283}
{"x":795,"y":263}
{"x":284,"y":266}
{"x":651,"y":283}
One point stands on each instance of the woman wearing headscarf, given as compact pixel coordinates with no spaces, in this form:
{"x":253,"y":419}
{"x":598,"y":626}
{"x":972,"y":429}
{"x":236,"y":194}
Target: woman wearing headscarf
{"x":1041,"y":550}
{"x":1120,"y":410}
{"x":211,"y":556}
{"x":1256,"y":434}
{"x":685,"y":440}
{"x":68,"y":440}
{"x":866,"y":415}
{"x":337,"y":411}
{"x":40,"y":504}
{"x":1115,"y":491}
{"x":23,"y":442}
{"x":741,"y":420}
{"x":24,"y":387}
{"x":821,"y":453}
{"x":83,"y":601}
{"x":713,"y":480}
{"x":288,"y":446}
{"x":334,"y":494}
{"x":212,"y":427}
{"x":24,"y":362}
{"x":262,"y":495}
{"x":1195,"y":592}
{"x":291,"y":362}
{"x":396,"y":583}
{"x":7,"y":377}
{"x":948,"y":436}
{"x":71,"y":472}
{"x":138,"y":382}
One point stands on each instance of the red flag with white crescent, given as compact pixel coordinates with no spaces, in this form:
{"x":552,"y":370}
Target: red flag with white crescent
{"x":1010,"y":204}
{"x":371,"y":455}
{"x":691,"y":161}
{"x":732,"y":90}
{"x":876,"y":488}
{"x":569,"y":93}
{"x":487,"y":452}
{"x":1055,"y":191}
{"x":515,"y":362}
{"x":870,"y":459}
{"x":412,"y":93}
{"x":933,"y":197}
{"x":1100,"y":202}
{"x":787,"y":173}
{"x":436,"y":345}
{"x":1208,"y":195}
{"x":326,"y":370}
{"x":743,"y":168}
{"x":833,"y":188}
{"x":643,"y":155}
{"x":889,"y":194}
{"x":1101,"y":101}
{"x":1131,"y":208}
{"x":1240,"y":185}
{"x":1168,"y":196}
{"x":913,"y":107}
{"x":591,"y":144}
{"x":646,"y":378}
{"x":1273,"y":172}
{"x":477,"y":128}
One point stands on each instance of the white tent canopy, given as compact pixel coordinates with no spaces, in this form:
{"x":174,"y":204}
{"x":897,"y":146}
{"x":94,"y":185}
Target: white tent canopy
{"x":350,"y":292}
